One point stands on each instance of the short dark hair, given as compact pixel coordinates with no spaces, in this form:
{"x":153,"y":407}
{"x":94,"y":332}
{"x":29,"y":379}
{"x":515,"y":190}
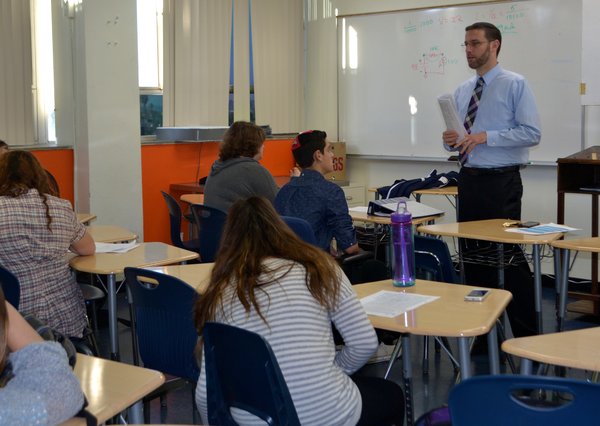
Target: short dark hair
{"x":491,"y":32}
{"x":305,"y":145}
{"x":3,"y":144}
{"x":242,"y":139}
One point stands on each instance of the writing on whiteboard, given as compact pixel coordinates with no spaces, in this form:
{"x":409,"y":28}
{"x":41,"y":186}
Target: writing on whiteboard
{"x":433,"y":62}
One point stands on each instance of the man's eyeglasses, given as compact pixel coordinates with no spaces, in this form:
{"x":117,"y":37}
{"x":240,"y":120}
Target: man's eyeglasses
{"x":474,"y":44}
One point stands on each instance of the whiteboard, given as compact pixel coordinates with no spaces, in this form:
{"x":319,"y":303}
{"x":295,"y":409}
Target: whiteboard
{"x":384,"y":60}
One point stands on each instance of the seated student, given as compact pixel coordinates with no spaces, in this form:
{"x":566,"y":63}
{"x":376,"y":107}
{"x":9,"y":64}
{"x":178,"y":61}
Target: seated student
{"x":315,"y":199}
{"x":37,"y":230}
{"x":37,"y":385}
{"x":237,"y":174}
{"x":268,"y":281}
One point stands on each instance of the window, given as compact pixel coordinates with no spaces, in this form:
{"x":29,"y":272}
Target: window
{"x":150,"y":64}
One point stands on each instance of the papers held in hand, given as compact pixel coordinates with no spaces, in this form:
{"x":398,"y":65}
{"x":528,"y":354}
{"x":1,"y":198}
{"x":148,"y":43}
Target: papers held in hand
{"x":387,"y":206}
{"x":450,"y":114}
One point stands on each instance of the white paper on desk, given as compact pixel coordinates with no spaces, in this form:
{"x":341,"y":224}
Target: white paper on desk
{"x":115,"y":248}
{"x":389,"y":304}
{"x":359,"y":209}
{"x":545,"y":228}
{"x":450,"y":114}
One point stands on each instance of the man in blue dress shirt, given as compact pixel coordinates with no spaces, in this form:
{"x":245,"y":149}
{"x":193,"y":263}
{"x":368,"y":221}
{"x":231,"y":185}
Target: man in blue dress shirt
{"x":502,"y":123}
{"x":315,"y":199}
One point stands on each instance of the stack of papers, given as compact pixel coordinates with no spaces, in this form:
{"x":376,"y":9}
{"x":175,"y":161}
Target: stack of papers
{"x":390,"y":304}
{"x":545,"y":228}
{"x":115,"y":248}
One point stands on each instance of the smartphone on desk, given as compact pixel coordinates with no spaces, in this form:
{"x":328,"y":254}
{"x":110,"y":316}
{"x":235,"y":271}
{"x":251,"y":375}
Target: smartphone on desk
{"x":528,"y":224}
{"x":477,"y":295}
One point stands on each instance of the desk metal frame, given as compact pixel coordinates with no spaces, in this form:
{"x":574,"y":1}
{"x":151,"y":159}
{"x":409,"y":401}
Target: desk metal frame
{"x":111,"y":264}
{"x":477,"y":319}
{"x":492,"y":230}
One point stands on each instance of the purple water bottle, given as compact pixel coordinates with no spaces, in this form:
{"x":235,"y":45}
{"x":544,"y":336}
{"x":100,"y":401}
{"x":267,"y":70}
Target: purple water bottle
{"x":404,"y":252}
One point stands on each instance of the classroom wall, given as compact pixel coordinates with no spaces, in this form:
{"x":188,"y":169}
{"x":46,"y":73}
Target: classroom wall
{"x":539,"y":200}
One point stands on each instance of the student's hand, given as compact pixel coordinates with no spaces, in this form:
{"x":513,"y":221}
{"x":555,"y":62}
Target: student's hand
{"x":352,"y":249}
{"x":450,"y":137}
{"x":295,"y":172}
{"x":469,"y":143}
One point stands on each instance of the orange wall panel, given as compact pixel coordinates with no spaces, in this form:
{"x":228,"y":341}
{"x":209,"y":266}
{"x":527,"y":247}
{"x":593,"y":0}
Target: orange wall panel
{"x":165,"y":164}
{"x":59,"y":162}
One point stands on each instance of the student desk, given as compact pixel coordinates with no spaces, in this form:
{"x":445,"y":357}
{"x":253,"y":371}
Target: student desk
{"x":492,"y":230}
{"x":386,"y":221}
{"x":192,"y":198}
{"x":110,"y":234}
{"x":446,"y":191}
{"x":111,"y":264}
{"x":110,"y":387}
{"x":574,"y":349}
{"x":85,"y":218}
{"x":448,"y":316}
{"x":564,"y":247}
{"x":196,"y":275}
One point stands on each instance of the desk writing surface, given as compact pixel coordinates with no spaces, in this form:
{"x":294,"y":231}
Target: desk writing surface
{"x":146,"y":254}
{"x":575,"y":349}
{"x":110,"y":387}
{"x":196,"y":275}
{"x":448,"y":316}
{"x":446,"y":190}
{"x":488,"y":230}
{"x":85,"y":218}
{"x":385,"y":220}
{"x":110,"y":234}
{"x":192,"y":198}
{"x":590,"y":245}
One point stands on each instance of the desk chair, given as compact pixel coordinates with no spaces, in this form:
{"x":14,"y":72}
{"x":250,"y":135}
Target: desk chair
{"x":163,"y":329}
{"x":505,"y":400}
{"x":175,"y":215}
{"x":10,"y":287}
{"x":302,"y":229}
{"x":249,"y":379}
{"x":210,"y":222}
{"x":433,"y":262}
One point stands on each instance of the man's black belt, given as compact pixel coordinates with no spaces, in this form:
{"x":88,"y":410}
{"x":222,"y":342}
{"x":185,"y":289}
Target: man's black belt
{"x":478,"y":171}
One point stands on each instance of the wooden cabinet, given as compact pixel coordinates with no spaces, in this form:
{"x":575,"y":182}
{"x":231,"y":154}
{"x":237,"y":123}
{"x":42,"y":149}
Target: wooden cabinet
{"x":580,"y":174}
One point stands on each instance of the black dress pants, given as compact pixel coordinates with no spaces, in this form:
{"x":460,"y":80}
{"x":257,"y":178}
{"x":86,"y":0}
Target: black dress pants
{"x":496,"y":194}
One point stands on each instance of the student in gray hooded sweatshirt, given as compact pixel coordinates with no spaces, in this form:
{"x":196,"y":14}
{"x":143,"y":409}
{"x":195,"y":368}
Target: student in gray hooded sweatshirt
{"x":237,"y":174}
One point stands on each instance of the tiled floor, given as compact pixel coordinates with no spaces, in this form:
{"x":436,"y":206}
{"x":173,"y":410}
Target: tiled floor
{"x":429,"y":391}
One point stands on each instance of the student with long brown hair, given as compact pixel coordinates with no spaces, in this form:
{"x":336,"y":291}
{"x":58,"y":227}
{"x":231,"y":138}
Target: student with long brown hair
{"x":37,"y":229}
{"x":267,"y":280}
{"x":37,"y":385}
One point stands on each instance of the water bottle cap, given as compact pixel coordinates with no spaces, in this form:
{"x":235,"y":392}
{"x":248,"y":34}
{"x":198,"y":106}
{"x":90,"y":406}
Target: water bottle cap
{"x":401,"y":215}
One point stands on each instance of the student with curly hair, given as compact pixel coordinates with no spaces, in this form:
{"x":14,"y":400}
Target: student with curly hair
{"x":237,"y":173}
